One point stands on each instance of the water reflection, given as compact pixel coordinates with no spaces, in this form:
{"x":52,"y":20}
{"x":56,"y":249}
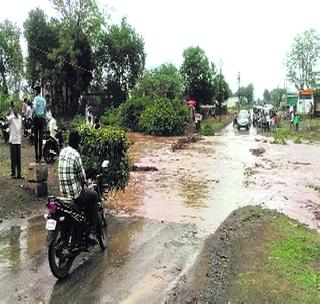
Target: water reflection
{"x":10,"y":250}
{"x":21,"y":244}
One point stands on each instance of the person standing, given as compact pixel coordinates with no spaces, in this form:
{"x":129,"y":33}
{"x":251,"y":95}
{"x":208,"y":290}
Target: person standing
{"x":15,"y":126}
{"x":40,"y":107}
{"x":297,"y":122}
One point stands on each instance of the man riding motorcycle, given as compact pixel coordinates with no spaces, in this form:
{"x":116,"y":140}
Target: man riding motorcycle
{"x":72,"y":180}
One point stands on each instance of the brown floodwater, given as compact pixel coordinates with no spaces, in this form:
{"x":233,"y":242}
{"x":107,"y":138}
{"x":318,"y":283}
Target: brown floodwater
{"x":203,"y":183}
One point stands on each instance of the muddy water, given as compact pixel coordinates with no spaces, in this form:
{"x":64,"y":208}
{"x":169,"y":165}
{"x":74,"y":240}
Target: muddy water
{"x":205,"y":182}
{"x":157,"y":226}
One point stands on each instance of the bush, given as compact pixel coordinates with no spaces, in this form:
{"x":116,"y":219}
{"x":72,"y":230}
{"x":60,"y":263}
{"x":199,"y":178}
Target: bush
{"x":106,"y":143}
{"x":207,"y":129}
{"x":112,"y":117}
{"x":164,"y":117}
{"x":78,"y":120}
{"x":131,"y":110}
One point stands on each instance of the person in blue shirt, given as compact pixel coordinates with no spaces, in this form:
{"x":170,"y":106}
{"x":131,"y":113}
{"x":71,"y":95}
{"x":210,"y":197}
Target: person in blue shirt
{"x":39,"y":106}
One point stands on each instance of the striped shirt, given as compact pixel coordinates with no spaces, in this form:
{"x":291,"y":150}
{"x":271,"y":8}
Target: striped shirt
{"x":71,"y":173}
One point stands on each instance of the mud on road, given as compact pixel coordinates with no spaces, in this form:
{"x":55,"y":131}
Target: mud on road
{"x":158,"y":226}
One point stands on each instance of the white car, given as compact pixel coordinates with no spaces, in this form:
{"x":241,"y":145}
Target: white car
{"x":243,"y":119}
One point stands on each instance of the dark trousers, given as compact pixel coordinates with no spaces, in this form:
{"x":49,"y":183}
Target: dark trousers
{"x":38,"y":124}
{"x":89,"y":200}
{"x":15,"y":155}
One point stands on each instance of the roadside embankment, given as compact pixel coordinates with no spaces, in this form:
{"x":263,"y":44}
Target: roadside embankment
{"x":256,"y":256}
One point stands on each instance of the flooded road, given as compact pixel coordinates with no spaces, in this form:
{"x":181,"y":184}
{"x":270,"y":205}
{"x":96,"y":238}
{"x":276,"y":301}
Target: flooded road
{"x":157,"y":226}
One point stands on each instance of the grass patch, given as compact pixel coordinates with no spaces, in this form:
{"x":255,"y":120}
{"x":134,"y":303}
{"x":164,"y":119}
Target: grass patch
{"x":288,"y":268}
{"x":283,"y":134}
{"x":308,"y":130}
{"x":210,"y":126}
{"x":297,"y":258}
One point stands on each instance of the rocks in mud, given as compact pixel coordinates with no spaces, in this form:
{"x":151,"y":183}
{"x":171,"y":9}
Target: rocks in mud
{"x":37,"y":173}
{"x":181,"y":143}
{"x":257,"y":151}
{"x":136,"y":168}
{"x":37,"y":177}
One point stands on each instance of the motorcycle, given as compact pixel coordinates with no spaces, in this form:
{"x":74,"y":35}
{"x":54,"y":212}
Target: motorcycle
{"x":68,"y":228}
{"x":5,"y":130}
{"x":51,"y":148}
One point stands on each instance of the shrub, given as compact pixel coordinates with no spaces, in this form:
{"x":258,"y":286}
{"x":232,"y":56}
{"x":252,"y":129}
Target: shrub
{"x":282,"y":135}
{"x":164,"y":117}
{"x":106,"y":143}
{"x":207,"y":129}
{"x":131,"y":111}
{"x":112,"y":117}
{"x":78,"y":120}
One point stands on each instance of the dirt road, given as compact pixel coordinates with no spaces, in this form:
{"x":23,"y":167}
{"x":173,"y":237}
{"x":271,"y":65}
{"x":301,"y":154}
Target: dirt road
{"x":158,"y":226}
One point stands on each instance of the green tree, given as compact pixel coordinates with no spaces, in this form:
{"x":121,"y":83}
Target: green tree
{"x":266,"y":96}
{"x":302,"y":59}
{"x":84,"y":15}
{"x":246,"y":93}
{"x":276,"y":96}
{"x":162,"y":81}
{"x":197,"y":75}
{"x":122,"y":60}
{"x":11,"y":59}
{"x":42,"y":37}
{"x":222,"y":90}
{"x":250,"y":93}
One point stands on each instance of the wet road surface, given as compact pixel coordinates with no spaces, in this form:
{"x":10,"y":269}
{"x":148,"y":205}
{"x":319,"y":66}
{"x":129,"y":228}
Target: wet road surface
{"x":157,"y":226}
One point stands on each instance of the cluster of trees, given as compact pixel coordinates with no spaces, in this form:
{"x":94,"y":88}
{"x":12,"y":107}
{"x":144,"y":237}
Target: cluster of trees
{"x":275,"y":96}
{"x":78,"y":55}
{"x":246,"y":94}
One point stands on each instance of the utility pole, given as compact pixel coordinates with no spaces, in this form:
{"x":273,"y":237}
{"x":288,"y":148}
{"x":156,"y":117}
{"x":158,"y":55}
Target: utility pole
{"x":220,"y":90}
{"x":239,"y":90}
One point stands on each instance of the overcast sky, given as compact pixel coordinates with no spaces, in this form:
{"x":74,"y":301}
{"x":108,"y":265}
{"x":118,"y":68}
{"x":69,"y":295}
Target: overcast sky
{"x":247,"y":36}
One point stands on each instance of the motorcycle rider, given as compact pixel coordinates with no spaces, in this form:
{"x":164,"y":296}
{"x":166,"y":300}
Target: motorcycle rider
{"x":72,"y":179}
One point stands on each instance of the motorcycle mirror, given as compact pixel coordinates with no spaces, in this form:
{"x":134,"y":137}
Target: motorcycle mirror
{"x":105,"y":164}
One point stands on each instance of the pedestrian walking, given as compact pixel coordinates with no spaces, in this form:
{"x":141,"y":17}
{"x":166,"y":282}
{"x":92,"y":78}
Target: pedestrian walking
{"x":15,"y":126}
{"x":197,"y":120}
{"x":40,"y":107}
{"x":297,"y":122}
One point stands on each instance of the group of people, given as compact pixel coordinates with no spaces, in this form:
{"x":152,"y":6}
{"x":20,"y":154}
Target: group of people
{"x":266,"y":119}
{"x":294,"y":117}
{"x":72,"y":178}
{"x":36,"y":112}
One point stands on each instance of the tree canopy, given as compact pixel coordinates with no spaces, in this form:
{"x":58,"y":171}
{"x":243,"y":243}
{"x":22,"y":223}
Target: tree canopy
{"x":197,"y":74}
{"x":11,"y":59}
{"x":122,"y":59}
{"x":302,"y":59}
{"x":162,"y":81}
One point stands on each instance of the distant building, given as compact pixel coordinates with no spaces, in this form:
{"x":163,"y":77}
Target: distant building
{"x":233,"y":102}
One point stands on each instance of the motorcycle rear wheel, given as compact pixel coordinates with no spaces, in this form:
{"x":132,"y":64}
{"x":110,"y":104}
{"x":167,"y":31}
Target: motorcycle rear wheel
{"x":59,"y":262}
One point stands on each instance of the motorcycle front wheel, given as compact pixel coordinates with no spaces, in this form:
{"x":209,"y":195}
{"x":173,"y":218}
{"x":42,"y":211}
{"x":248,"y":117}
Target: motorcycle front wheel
{"x":60,"y":258}
{"x":101,"y":230}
